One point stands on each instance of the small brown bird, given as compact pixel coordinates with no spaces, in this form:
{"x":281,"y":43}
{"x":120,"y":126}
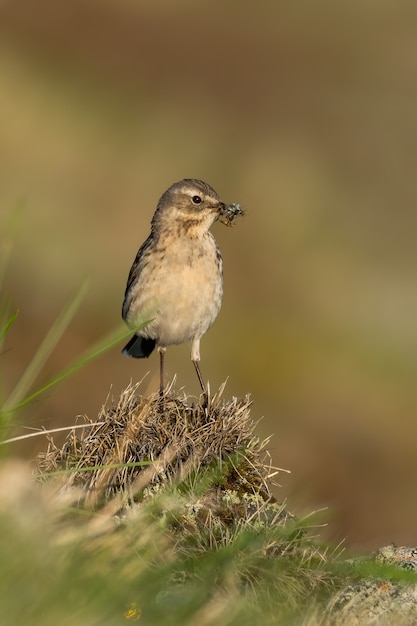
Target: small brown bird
{"x":175,"y":285}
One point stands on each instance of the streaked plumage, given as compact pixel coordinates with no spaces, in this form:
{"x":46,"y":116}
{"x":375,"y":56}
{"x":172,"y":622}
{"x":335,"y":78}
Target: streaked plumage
{"x":176,"y":280}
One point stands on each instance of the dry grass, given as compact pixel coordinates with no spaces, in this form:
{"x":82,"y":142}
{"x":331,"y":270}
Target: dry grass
{"x":136,"y":447}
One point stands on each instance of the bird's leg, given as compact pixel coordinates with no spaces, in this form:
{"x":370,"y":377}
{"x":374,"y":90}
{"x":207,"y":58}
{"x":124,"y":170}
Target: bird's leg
{"x":161,"y":374}
{"x":200,"y":378}
{"x":203,"y":389}
{"x":195,"y":357}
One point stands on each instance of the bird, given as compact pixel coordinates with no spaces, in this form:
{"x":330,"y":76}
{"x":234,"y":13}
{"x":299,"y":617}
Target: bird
{"x":175,"y":286}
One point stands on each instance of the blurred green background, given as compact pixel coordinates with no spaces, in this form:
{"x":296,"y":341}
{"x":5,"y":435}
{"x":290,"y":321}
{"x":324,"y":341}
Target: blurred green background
{"x":306,"y":114}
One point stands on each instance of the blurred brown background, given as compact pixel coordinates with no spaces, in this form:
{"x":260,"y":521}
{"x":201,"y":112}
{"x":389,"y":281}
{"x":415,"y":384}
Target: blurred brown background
{"x":306,"y":114}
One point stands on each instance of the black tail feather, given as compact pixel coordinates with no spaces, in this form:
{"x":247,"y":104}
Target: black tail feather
{"x":139,"y":347}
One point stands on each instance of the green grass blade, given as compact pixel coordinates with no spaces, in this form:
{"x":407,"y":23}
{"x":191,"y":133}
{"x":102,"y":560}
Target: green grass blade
{"x":94,"y":468}
{"x":104,"y":345}
{"x":16,"y":397}
{"x":8,"y":325}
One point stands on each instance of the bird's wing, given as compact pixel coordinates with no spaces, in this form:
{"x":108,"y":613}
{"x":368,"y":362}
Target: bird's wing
{"x":134,"y":274}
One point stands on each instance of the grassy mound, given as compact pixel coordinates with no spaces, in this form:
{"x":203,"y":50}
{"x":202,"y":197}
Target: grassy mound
{"x":139,"y":449}
{"x":177,"y":439}
{"x":163,"y":514}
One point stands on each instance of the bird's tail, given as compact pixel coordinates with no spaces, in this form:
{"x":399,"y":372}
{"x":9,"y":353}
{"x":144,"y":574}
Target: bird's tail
{"x":139,"y":347}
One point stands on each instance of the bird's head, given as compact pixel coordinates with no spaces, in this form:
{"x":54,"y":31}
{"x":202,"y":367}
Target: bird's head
{"x":191,"y":203}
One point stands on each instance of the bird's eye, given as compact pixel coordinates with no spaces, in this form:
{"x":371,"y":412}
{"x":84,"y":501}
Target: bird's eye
{"x":196,"y":199}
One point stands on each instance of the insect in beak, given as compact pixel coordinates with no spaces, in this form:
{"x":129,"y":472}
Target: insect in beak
{"x":228,"y":212}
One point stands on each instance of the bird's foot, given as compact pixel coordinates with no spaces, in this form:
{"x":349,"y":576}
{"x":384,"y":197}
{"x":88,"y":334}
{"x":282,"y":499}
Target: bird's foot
{"x":205,"y":401}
